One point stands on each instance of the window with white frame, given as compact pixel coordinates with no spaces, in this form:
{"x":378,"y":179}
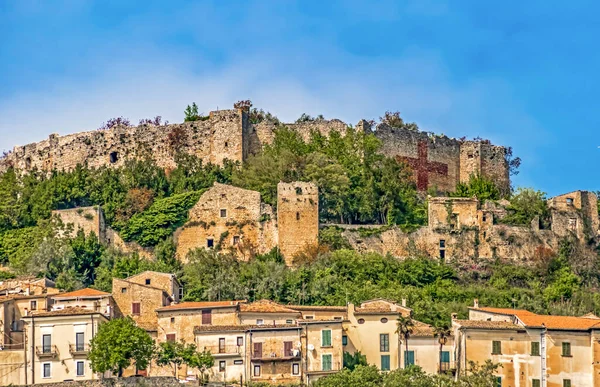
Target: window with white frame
{"x":295,"y":369}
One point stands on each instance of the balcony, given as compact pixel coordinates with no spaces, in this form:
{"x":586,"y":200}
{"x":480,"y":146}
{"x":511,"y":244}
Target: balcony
{"x":222,"y":351}
{"x":280,"y":355}
{"x":317,"y":368}
{"x":46,"y":351}
{"x":79,"y":349}
{"x":447,"y":367}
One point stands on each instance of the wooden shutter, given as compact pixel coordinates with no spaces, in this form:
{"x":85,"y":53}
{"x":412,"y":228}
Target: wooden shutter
{"x":170,"y":337}
{"x":326,"y":338}
{"x":222,"y":345}
{"x":326,"y":363}
{"x":409,"y":358}
{"x":445,"y":357}
{"x":206,"y":317}
{"x":135,"y":308}
{"x":287,"y":348}
{"x":257,"y":350}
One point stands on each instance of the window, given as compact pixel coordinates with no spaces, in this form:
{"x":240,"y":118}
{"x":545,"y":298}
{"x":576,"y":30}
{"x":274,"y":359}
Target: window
{"x":289,"y":321}
{"x":260,"y":321}
{"x":240,"y":341}
{"x":385,"y":362}
{"x":384,"y":342}
{"x":46,"y":370}
{"x":222,"y":364}
{"x":238,"y":362}
{"x":566,"y":382}
{"x":535,"y":383}
{"x":180,"y":293}
{"x":210,"y":243}
{"x":470,"y":155}
{"x":287,"y":348}
{"x":114,"y":156}
{"x":326,"y":362}
{"x":535,"y":348}
{"x":361,"y":320}
{"x":221,"y":345}
{"x":298,"y":191}
{"x":256,"y":370}
{"x":46,"y":343}
{"x":445,"y":357}
{"x":326,"y":338}
{"x":135,"y":308}
{"x":483,"y":218}
{"x":337,"y":317}
{"x":172,"y":320}
{"x":498,"y":381}
{"x":297,"y":216}
{"x":569,"y":201}
{"x":147,"y":281}
{"x":442,"y":243}
{"x":257,"y":350}
{"x":79,"y":341}
{"x":496,"y":348}
{"x":409,"y":358}
{"x":236,"y":239}
{"x":226,"y":144}
{"x":223,"y":213}
{"x":171,"y":337}
{"x":309,"y":317}
{"x":295,"y":369}
{"x":573,"y":224}
{"x":384,"y":320}
{"x":80,"y":368}
{"x":566,"y":349}
{"x":33,"y":305}
{"x":123,"y":290}
{"x":344,"y":340}
{"x":206,"y":316}
{"x":442,"y":254}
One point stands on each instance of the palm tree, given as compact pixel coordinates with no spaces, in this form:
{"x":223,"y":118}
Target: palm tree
{"x":442,"y":332}
{"x":405,"y":327}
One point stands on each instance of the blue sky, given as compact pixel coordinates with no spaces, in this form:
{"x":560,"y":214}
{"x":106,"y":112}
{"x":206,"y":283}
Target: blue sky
{"x":523,"y":74}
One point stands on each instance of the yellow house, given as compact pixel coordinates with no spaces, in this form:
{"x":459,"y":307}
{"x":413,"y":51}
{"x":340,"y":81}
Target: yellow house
{"x":58,"y":344}
{"x":533,"y":350}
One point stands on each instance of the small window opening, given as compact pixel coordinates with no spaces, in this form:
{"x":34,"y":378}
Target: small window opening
{"x":223,"y":213}
{"x":210,"y":243}
{"x":236,"y":239}
{"x":573,"y":224}
{"x":260,"y":321}
{"x":298,"y":191}
{"x":28,"y":163}
{"x":569,"y":201}
{"x":442,"y":243}
{"x":226,"y":144}
{"x":470,"y":155}
{"x":484,"y":234}
{"x":147,"y":281}
{"x":114,"y":156}
{"x":123,"y":290}
{"x":442,"y":254}
{"x":297,"y":216}
{"x":172,"y":320}
{"x":484,"y":218}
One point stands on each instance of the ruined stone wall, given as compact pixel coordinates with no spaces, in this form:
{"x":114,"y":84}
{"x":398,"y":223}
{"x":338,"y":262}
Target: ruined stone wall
{"x":213,"y":140}
{"x":305,"y":129}
{"x":575,"y":213}
{"x":88,"y":219}
{"x":297,"y":217}
{"x":233,"y":219}
{"x":452,"y":212}
{"x":125,"y":293}
{"x":164,"y":281}
{"x":495,"y":166}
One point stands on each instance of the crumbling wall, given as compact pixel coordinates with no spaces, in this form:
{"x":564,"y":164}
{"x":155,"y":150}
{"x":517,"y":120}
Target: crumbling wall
{"x":88,"y":219}
{"x":297,"y":217}
{"x":453,"y":213}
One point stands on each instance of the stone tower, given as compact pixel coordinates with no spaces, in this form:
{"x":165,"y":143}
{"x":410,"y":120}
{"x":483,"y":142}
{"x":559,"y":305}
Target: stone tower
{"x":297,"y":217}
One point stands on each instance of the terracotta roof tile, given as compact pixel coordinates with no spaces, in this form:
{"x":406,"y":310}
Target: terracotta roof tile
{"x":560,"y":322}
{"x":241,"y":328}
{"x":478,"y":324}
{"x":507,"y":311}
{"x":81,"y":293}
{"x":62,"y":312}
{"x":326,"y":308}
{"x":200,"y":305}
{"x":266,"y":306}
{"x":380,"y":306}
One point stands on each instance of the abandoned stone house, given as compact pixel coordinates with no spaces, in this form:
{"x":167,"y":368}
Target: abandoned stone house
{"x":437,"y":161}
{"x":463,"y":228}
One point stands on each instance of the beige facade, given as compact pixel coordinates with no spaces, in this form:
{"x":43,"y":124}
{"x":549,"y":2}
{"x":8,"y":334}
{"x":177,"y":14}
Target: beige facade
{"x":551,"y":351}
{"x":58,"y":344}
{"x":323,"y":348}
{"x":13,"y":308}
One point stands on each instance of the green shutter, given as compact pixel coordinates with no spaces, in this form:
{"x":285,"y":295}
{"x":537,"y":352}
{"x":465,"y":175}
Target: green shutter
{"x":535,"y":348}
{"x":535,"y":383}
{"x":384,"y":342}
{"x":326,"y":338}
{"x":496,"y":348}
{"x":566,"y":349}
{"x":326,"y":362}
{"x":344,"y":340}
{"x":445,"y":357}
{"x":499,"y":381}
{"x":566,"y":382}
{"x":409,"y":358}
{"x":385,"y":362}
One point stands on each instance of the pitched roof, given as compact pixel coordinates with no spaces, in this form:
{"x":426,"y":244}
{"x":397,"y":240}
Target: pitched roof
{"x":326,"y":308}
{"x":242,"y":328}
{"x":420,"y":329}
{"x":380,"y":306}
{"x":560,"y":322}
{"x":266,"y":306}
{"x":479,"y":324}
{"x":506,"y":311}
{"x":82,"y":293}
{"x":62,"y":312}
{"x":200,"y":305}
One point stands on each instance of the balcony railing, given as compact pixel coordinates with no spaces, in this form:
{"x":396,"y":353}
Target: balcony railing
{"x":216,"y":350}
{"x":46,"y":351}
{"x":79,"y":349}
{"x":447,"y":366}
{"x":276,"y":355}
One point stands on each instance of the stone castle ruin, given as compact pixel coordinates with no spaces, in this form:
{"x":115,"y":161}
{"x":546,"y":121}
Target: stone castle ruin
{"x":437,"y":161}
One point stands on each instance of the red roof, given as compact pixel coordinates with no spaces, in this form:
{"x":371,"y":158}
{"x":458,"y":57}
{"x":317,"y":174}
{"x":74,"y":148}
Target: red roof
{"x":200,"y":305}
{"x":82,"y":293}
{"x":507,"y":311}
{"x":561,"y":322}
{"x":266,"y":306}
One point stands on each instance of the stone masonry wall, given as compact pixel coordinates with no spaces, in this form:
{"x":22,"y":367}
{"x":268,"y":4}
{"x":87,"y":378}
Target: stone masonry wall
{"x":297,"y":217}
{"x":89,"y":219}
{"x":118,"y":382}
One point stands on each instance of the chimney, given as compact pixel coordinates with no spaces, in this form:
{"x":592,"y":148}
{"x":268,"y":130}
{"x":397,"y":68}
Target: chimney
{"x":476,"y":303}
{"x":26,"y":312}
{"x":454,"y":316}
{"x":404,"y":302}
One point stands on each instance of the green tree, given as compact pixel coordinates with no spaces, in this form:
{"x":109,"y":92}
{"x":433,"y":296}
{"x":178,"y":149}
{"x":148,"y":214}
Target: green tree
{"x":351,"y":361}
{"x":191,"y":113}
{"x":480,"y":375}
{"x":118,"y":343}
{"x":479,"y":186}
{"x":442,"y":332}
{"x":525,"y":205}
{"x":404,"y":329}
